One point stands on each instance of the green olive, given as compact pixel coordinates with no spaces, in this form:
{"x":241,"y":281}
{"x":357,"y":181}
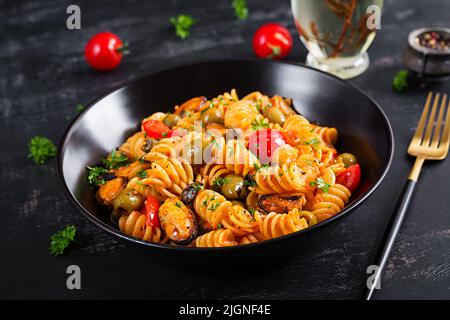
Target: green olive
{"x":275,"y":115}
{"x":348,"y":159}
{"x":234,"y":187}
{"x":212,"y":115}
{"x":171,"y":120}
{"x":128,"y":200}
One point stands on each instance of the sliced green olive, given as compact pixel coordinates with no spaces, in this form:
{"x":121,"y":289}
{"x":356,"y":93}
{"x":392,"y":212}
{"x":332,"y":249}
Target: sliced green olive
{"x":275,"y":115}
{"x":171,"y":120}
{"x":348,"y":159}
{"x":234,"y":187}
{"x":128,"y":200}
{"x":212,"y":115}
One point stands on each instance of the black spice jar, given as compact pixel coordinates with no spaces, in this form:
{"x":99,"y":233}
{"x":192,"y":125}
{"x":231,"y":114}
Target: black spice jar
{"x":427,"y":54}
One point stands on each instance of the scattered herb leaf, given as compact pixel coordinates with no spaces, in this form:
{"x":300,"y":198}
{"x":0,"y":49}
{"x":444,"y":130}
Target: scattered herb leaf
{"x":41,"y":149}
{"x":142,"y":174}
{"x":240,"y":9}
{"x":79,"y":107}
{"x":61,"y":240}
{"x":258,"y":125}
{"x":116,"y":160}
{"x":400,"y":80}
{"x":182,"y":24}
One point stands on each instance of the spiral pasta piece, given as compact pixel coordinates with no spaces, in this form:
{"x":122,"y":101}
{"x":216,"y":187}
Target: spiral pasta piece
{"x":288,"y":178}
{"x":170,"y":176}
{"x":328,"y":135}
{"x":239,"y":221}
{"x":135,"y":225}
{"x":164,"y":149}
{"x":216,"y":238}
{"x":240,"y":114}
{"x":132,"y":148}
{"x":251,"y":238}
{"x":275,"y":225}
{"x":328,"y":204}
{"x":210,"y":173}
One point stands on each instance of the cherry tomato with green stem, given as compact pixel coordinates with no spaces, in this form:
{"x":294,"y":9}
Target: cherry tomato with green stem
{"x":104,"y":51}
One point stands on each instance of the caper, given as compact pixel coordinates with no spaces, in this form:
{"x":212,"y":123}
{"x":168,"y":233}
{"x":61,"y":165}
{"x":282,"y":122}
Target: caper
{"x":234,"y":187}
{"x":128,"y":200}
{"x":212,"y":115}
{"x":348,"y":159}
{"x":171,"y":120}
{"x":275,"y":115}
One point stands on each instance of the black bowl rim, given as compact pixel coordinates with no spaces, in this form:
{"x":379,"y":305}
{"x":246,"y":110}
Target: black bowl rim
{"x":115,"y":232}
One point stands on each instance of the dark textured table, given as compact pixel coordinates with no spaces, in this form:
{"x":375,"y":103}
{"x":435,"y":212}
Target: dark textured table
{"x":44,"y":76}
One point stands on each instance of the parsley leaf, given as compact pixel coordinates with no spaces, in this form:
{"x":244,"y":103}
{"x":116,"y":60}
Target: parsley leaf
{"x":313,"y":142}
{"x":79,"y":107}
{"x":258,"y":125}
{"x":115,"y":160}
{"x":219,"y":226}
{"x":214,"y":206}
{"x":322,"y":185}
{"x":41,"y":149}
{"x":251,"y":211}
{"x":262,"y":166}
{"x":219,"y":182}
{"x":240,"y":9}
{"x":400,"y":80}
{"x":182,"y":24}
{"x":94,"y":175}
{"x":178,"y":204}
{"x":61,"y":240}
{"x":142,"y":174}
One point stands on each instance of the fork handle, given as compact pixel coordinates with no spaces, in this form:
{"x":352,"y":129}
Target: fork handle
{"x":393,"y":227}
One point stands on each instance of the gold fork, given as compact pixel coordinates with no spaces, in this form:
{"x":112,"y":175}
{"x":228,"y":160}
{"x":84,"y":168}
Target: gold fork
{"x":428,"y":143}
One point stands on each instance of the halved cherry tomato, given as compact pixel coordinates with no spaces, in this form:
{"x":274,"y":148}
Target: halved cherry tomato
{"x":350,"y":178}
{"x":264,"y":142}
{"x":104,"y":51}
{"x":155,"y":129}
{"x":151,"y":206}
{"x":272,"y":40}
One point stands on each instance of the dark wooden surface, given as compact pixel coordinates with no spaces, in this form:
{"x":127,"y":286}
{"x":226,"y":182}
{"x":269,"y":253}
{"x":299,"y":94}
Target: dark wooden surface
{"x":44,"y":76}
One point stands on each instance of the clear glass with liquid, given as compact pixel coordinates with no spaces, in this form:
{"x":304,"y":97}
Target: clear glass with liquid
{"x":337,"y":33}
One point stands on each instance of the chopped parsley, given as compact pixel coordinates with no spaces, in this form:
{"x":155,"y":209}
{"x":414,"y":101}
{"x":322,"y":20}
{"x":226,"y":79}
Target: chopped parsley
{"x":219,"y":226}
{"x":322,"y":185}
{"x":252,"y":211}
{"x":79,"y":107}
{"x":142,"y":174}
{"x":313,"y":142}
{"x":240,"y":9}
{"x":182,"y":24}
{"x":214,"y":206}
{"x":115,"y":160}
{"x":178,"y":204}
{"x":197,"y":186}
{"x":219,"y":182}
{"x":94,"y":175}
{"x":262,"y":166}
{"x":258,"y":125}
{"x":41,"y":149}
{"x":400,"y":80}
{"x":61,"y":240}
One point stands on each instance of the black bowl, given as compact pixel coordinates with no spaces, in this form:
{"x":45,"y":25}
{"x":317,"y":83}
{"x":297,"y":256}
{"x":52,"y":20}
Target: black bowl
{"x":363,"y":128}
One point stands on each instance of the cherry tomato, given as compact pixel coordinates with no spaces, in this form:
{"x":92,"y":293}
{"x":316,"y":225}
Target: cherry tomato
{"x":155,"y":129}
{"x":272,"y":40}
{"x":151,"y":206}
{"x":104,"y":51}
{"x":264,"y":142}
{"x":350,"y":178}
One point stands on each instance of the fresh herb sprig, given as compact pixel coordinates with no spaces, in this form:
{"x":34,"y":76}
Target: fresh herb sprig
{"x":400,"y":80}
{"x":240,"y":9}
{"x":321,"y":184}
{"x":61,"y":240}
{"x":182,"y":24}
{"x":41,"y":149}
{"x":258,"y":125}
{"x":94,"y":175}
{"x":79,"y":107}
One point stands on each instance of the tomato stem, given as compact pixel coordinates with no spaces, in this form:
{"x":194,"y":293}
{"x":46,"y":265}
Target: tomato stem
{"x":123,"y":49}
{"x":276,"y":51}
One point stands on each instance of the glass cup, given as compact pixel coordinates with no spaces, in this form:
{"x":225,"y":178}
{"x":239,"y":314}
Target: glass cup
{"x":337,"y":33}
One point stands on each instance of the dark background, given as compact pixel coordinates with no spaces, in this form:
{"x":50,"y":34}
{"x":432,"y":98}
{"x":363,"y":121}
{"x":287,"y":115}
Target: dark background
{"x":44,"y":76}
